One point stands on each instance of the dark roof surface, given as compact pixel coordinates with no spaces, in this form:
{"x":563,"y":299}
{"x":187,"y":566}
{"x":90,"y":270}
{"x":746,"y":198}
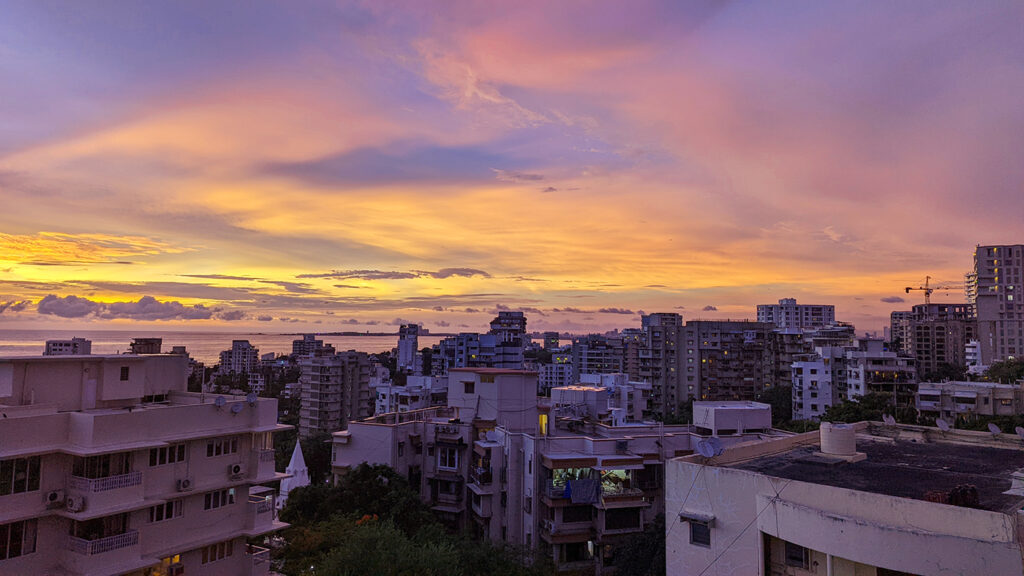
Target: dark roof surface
{"x":904,"y":469}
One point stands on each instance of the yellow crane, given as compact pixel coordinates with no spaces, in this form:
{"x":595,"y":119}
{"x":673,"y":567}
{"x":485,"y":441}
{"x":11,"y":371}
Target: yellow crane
{"x":928,"y":289}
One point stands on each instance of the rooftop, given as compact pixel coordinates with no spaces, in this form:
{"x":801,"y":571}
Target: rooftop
{"x":905,"y":468}
{"x":493,"y":371}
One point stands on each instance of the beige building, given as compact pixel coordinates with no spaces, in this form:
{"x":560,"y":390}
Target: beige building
{"x":335,"y":390}
{"x":853,"y":500}
{"x":565,"y":475}
{"x":994,"y":290}
{"x":951,"y":400}
{"x":109,"y":467}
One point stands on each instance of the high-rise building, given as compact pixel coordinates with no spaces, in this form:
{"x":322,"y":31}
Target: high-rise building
{"x":109,"y":466}
{"x":994,"y":290}
{"x":596,"y":354}
{"x":899,"y":330}
{"x":146,"y":345}
{"x":788,"y":314}
{"x":335,"y":390}
{"x":242,"y":357}
{"x":409,"y":359}
{"x":632,"y":342}
{"x":558,"y":373}
{"x":660,"y":362}
{"x":871,"y":368}
{"x":939,"y":334}
{"x":724,"y":360}
{"x":509,"y":330}
{"x":72,"y":347}
{"x":552,"y":340}
{"x":309,"y":345}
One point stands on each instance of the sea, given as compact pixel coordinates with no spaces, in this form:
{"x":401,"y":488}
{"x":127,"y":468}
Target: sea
{"x":203,"y":346}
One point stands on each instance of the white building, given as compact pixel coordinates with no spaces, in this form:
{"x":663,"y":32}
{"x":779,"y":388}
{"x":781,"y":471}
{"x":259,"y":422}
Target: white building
{"x":242,"y":357}
{"x":109,"y":466}
{"x":972,"y":355}
{"x":409,"y":360}
{"x":72,"y":347}
{"x":554,"y":375}
{"x":419,"y":392}
{"x":298,"y":475}
{"x":819,"y":381}
{"x":788,"y":314}
{"x":856,"y":500}
{"x":560,"y":475}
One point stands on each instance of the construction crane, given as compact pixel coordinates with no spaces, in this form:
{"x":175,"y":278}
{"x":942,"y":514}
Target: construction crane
{"x":927,"y":289}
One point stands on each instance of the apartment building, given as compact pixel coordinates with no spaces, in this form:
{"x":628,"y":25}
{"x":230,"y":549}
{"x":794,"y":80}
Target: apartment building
{"x":108,"y":466}
{"x":467,"y":350}
{"x":871,"y":368}
{"x":781,"y":348}
{"x":939,"y":334}
{"x":865,"y":499}
{"x":243,"y":357}
{"x":408,"y":356}
{"x":558,"y":373}
{"x":788,"y":314}
{"x":334,"y":391}
{"x":552,"y":340}
{"x":994,"y":292}
{"x":724,"y":360}
{"x":310,"y":345}
{"x":72,"y":347}
{"x":660,"y":362}
{"x":596,"y":354}
{"x":819,"y":381}
{"x":573,"y":475}
{"x":418,"y":392}
{"x":509,"y":331}
{"x":953,"y":400}
{"x":899,"y":330}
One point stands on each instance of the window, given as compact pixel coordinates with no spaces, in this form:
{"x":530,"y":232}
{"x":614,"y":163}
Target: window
{"x":19,"y":475}
{"x":103,"y":466}
{"x":165,"y":511}
{"x":469,"y":387}
{"x":218,"y":551}
{"x":167,"y":455}
{"x":700,"y":533}
{"x":797,"y":556}
{"x":17,"y":539}
{"x":221,"y":446}
{"x":447,"y":457}
{"x":124,"y":373}
{"x":218,"y":498}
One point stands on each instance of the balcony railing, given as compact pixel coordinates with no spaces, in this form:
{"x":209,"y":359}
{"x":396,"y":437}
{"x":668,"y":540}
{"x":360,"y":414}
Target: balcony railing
{"x":481,"y":476}
{"x":262,"y":505}
{"x":620,"y":490}
{"x":108,"y":544}
{"x":258,"y":554}
{"x":266,"y":455}
{"x":105,"y":484}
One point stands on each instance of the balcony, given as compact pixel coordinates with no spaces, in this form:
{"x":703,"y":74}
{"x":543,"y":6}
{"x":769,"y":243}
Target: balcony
{"x":105,"y":484}
{"x":103,"y":545}
{"x":481,"y":476}
{"x":259,"y":557}
{"x":261,"y":516}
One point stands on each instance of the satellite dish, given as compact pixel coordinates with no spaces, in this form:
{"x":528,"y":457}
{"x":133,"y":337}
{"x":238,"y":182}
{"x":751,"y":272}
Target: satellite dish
{"x":716,"y":445}
{"x":251,"y":398}
{"x":888,"y":419}
{"x":220,"y":402}
{"x":942,"y":424}
{"x":236,"y":408}
{"x":1020,"y":431}
{"x":705,"y":449}
{"x":993,"y":428}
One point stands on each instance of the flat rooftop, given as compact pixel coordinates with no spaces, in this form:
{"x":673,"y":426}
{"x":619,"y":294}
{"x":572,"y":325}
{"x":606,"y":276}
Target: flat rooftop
{"x":904,"y":469}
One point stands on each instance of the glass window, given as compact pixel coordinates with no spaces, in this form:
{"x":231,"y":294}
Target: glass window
{"x":700,"y":533}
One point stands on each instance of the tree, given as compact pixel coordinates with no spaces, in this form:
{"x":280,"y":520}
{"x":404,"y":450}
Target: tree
{"x":1007,"y":371}
{"x":316,"y":450}
{"x":869,"y":407}
{"x":643,"y":554}
{"x":945,"y":371}
{"x":780,"y":398}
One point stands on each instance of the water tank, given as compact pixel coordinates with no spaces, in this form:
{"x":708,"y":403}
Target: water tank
{"x":839,"y":439}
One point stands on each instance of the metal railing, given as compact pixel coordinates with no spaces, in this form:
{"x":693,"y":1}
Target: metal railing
{"x":105,"y":484}
{"x":259,"y":554}
{"x":481,"y":476}
{"x":266,"y":455}
{"x":108,"y":544}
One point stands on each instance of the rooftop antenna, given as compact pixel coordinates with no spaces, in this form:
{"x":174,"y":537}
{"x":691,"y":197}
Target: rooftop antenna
{"x":942,"y":424}
{"x":236,"y":408}
{"x":994,"y":429}
{"x":220,"y":402}
{"x":888,"y":419}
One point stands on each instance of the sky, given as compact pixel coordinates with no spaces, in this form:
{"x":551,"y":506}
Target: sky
{"x":329,"y":166}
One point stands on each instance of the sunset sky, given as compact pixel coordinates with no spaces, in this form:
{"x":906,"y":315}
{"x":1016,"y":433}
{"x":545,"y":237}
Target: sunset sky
{"x":349,"y":166}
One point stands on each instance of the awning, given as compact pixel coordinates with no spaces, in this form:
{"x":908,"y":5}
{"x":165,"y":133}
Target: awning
{"x":694,"y":515}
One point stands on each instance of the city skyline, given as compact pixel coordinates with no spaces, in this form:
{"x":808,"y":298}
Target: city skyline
{"x":353,"y":166}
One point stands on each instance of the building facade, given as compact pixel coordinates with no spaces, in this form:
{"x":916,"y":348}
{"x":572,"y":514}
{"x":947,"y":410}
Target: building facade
{"x":660,"y":362}
{"x":109,"y":466}
{"x":334,"y":391}
{"x":725,"y":360}
{"x":968,"y":400}
{"x":408,"y":357}
{"x":788,"y":314}
{"x":243,"y":357}
{"x":72,"y":347}
{"x":596,"y":354}
{"x":939,"y":334}
{"x":994,"y":292}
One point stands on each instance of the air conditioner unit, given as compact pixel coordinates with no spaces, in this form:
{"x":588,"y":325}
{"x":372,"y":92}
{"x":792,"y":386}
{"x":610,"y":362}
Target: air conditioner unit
{"x":55,"y":499}
{"x":176,"y":569}
{"x":185,"y":484}
{"x":75,"y":503}
{"x":235,"y":471}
